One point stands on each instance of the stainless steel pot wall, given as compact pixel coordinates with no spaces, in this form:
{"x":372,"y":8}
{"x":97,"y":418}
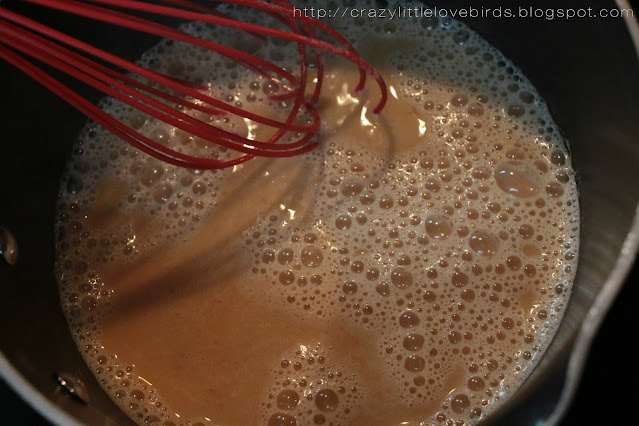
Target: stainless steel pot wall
{"x":587,"y":71}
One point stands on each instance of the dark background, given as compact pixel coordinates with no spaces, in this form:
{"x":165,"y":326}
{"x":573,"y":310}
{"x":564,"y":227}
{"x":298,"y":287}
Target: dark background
{"x":608,"y":394}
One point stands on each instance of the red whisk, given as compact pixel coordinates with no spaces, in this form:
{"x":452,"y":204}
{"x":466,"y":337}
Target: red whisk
{"x":22,"y":38}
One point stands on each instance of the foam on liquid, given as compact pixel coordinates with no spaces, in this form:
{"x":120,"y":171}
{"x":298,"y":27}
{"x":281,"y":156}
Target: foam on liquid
{"x":411,"y":269}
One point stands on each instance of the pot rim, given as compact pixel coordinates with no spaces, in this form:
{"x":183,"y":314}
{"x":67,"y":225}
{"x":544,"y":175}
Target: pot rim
{"x":612,"y":285}
{"x":36,"y":400}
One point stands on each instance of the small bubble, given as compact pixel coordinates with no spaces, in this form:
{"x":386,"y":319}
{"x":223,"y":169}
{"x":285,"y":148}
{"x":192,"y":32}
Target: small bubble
{"x":408,"y":319}
{"x":349,"y":287}
{"x":483,"y":243}
{"x":89,"y":303}
{"x":343,"y":222}
{"x":513,"y":263}
{"x":198,"y":188}
{"x":476,"y":383}
{"x":430,"y":296}
{"x":413,"y":342}
{"x":326,"y":400}
{"x":459,"y":100}
{"x":386,"y":202}
{"x":270,"y":87}
{"x":367,"y":197}
{"x":454,"y":337}
{"x":468,"y":295}
{"x":361,"y":218}
{"x":481,"y":172}
{"x":162,"y":193}
{"x":414,"y":363}
{"x":432,"y":185}
{"x":287,"y":400}
{"x":475,"y":109}
{"x":282,"y":419}
{"x":526,"y":231}
{"x":515,"y":178}
{"x":151,"y":174}
{"x":526,"y":97}
{"x":562,"y":177}
{"x":285,"y":256}
{"x":137,"y":394}
{"x":357,"y":267}
{"x":460,"y":403}
{"x":554,"y":190}
{"x":508,"y":323}
{"x":401,"y":278}
{"x":352,"y":188}
{"x":515,"y":110}
{"x":515,"y":154}
{"x":429,"y":22}
{"x":530,"y":270}
{"x":439,"y":227}
{"x":268,"y":256}
{"x":557,"y":158}
{"x":311,"y":256}
{"x":287,"y":277}
{"x":382,"y":289}
{"x":426,"y":163}
{"x":372,"y":274}
{"x":459,"y":279}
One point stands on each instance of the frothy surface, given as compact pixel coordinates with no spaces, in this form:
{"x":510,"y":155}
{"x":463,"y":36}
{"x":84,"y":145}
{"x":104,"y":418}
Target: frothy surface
{"x":411,"y":269}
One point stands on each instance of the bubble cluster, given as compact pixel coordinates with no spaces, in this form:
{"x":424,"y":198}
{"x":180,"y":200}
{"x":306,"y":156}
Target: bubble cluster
{"x":310,"y":389}
{"x":454,"y":256}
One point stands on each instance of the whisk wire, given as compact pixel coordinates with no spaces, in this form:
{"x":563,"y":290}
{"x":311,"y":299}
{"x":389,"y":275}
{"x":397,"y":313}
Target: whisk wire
{"x":20,"y":34}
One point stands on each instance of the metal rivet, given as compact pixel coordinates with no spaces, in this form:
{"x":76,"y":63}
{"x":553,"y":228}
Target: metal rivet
{"x":8,"y":246}
{"x":74,"y":386}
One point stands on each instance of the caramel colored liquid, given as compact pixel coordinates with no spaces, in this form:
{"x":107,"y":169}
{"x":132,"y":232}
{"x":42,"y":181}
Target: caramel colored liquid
{"x":411,"y":269}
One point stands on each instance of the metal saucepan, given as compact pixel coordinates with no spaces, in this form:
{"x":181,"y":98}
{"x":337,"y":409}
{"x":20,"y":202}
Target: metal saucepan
{"x":587,"y":71}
